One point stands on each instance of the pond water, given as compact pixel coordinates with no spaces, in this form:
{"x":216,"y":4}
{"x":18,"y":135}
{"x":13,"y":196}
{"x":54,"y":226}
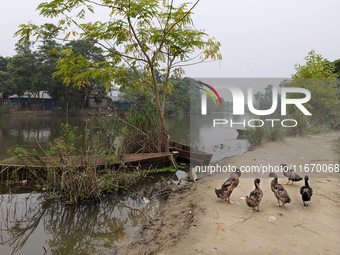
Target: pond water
{"x":25,"y":131}
{"x":29,"y":224}
{"x":221,"y":140}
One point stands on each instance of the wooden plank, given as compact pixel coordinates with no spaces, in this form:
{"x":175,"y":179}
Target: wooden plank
{"x":189,"y":154}
{"x":83,"y":161}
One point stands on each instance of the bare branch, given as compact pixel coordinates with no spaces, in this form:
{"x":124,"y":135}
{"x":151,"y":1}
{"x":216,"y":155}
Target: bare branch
{"x":164,"y":33}
{"x":115,"y":52}
{"x":202,"y":61}
{"x":139,"y":43}
{"x":135,"y":209}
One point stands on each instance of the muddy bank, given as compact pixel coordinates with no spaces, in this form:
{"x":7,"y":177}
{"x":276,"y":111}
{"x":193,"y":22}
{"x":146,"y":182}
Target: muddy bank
{"x":195,"y":221}
{"x":168,"y":226}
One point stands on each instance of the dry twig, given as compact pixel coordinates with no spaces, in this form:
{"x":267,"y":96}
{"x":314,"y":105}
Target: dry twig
{"x":240,"y":222}
{"x":135,"y":209}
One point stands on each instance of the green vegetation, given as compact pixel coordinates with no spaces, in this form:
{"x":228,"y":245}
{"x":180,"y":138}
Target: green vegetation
{"x":266,"y":133}
{"x":337,"y":146}
{"x":319,"y":77}
{"x":32,"y":70}
{"x":133,"y":131}
{"x":255,"y":136}
{"x":182,"y":166}
{"x":274,"y":133}
{"x":146,"y":43}
{"x":142,"y":132}
{"x":4,"y":110}
{"x":65,"y":144}
{"x":264,"y":101}
{"x":185,"y":91}
{"x":301,"y":128}
{"x":71,"y":176}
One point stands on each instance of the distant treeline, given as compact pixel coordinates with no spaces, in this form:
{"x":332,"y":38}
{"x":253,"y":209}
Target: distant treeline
{"x":31,"y":70}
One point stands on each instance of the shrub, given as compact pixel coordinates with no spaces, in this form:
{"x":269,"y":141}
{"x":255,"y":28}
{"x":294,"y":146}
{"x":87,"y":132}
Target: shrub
{"x":301,"y":128}
{"x":5,"y":109}
{"x":254,"y":136}
{"x":274,"y":133}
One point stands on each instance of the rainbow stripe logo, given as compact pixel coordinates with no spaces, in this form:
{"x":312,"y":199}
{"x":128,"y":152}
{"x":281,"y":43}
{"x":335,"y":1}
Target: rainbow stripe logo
{"x":209,"y":93}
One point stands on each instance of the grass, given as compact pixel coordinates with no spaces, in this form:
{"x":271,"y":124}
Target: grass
{"x":142,"y":132}
{"x":64,"y":179}
{"x":136,"y":131}
{"x":76,"y":185}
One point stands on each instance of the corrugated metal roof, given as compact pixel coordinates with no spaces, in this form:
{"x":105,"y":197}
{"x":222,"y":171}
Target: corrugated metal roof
{"x":42,"y":94}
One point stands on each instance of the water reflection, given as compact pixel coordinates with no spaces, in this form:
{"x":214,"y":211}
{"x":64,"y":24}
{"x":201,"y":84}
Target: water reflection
{"x":24,"y":130}
{"x":196,"y":131}
{"x":179,"y":128}
{"x":29,"y":223}
{"x":222,"y":140}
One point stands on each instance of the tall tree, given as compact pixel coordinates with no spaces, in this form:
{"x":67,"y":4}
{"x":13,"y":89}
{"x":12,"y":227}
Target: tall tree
{"x":139,"y":38}
{"x":3,"y":64}
{"x":4,"y":78}
{"x":49,"y":55}
{"x":318,"y":76}
{"x":91,"y":54}
{"x":49,"y":49}
{"x":24,"y":70}
{"x":264,"y":101}
{"x":337,"y":67}
{"x":179,"y":100}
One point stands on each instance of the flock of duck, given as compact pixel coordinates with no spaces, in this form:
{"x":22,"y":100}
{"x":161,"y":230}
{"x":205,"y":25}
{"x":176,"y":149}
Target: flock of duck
{"x":255,"y":197}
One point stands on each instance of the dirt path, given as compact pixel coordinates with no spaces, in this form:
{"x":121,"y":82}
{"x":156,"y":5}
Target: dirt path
{"x":195,"y":221}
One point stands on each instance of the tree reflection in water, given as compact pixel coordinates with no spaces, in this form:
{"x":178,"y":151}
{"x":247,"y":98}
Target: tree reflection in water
{"x":86,"y":229}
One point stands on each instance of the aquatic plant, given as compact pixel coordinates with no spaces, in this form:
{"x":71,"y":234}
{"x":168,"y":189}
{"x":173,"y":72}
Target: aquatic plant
{"x":71,"y":173}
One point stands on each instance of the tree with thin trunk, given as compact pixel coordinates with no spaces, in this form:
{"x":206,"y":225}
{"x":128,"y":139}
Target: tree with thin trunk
{"x":144,"y":42}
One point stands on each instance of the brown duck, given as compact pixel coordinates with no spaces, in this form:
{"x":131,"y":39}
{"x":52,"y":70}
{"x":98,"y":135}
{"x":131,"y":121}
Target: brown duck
{"x":255,"y":196}
{"x":279,"y":191}
{"x":290,"y":174}
{"x":228,"y":186}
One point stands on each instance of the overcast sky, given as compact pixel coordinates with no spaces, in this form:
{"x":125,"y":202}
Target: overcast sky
{"x":260,"y":38}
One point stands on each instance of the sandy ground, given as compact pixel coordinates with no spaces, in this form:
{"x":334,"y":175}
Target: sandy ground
{"x":195,"y":221}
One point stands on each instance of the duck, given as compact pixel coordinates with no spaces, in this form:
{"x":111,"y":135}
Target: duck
{"x":306,"y":191}
{"x":228,"y":186}
{"x":255,"y":196}
{"x":290,"y":174}
{"x":279,"y":191}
